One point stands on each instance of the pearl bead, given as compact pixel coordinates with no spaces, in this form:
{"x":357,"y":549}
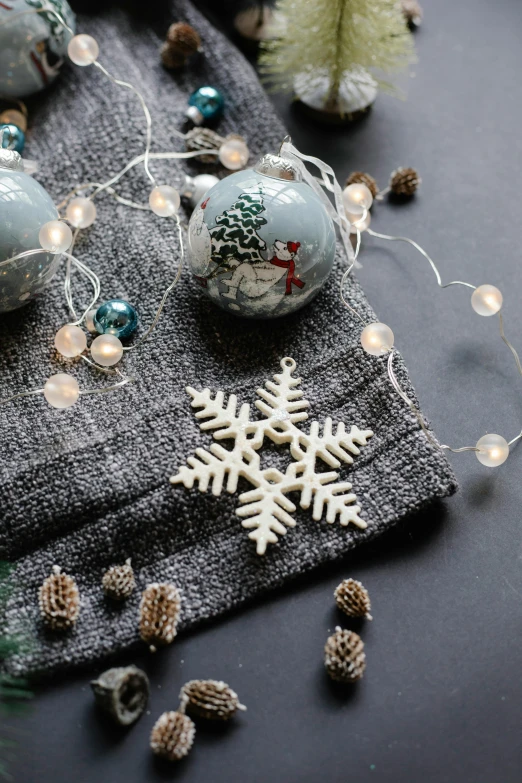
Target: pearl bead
{"x":357,"y":222}
{"x":164,"y":200}
{"x":357,"y":198}
{"x":377,"y":339}
{"x":234,"y":154}
{"x":194,"y":188}
{"x":205,"y":104}
{"x":61,"y":390}
{"x":493,"y":450}
{"x":70,"y":341}
{"x":83,"y":49}
{"x":12,"y":137}
{"x":55,"y":236}
{"x":106,"y":350}
{"x":486,"y":300}
{"x":116,"y":317}
{"x":81,"y":212}
{"x":89,"y":320}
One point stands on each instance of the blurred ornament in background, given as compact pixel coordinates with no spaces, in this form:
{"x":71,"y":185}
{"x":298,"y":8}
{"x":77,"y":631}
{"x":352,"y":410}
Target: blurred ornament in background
{"x":404,"y":182}
{"x":12,"y":137}
{"x":412,"y":11}
{"x":32,"y":45}
{"x":25,"y":206}
{"x":205,"y":105}
{"x":194,"y":188}
{"x":258,"y":21}
{"x":181,"y":43}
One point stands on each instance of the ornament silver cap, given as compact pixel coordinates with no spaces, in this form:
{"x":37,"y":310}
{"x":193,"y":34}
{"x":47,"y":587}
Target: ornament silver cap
{"x":279,"y":168}
{"x":194,"y":114}
{"x":9,"y":159}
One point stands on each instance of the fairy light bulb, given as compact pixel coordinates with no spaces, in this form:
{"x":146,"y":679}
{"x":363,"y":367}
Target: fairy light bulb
{"x":61,"y":390}
{"x":234,"y":154}
{"x":55,"y":236}
{"x":377,"y":339}
{"x":164,"y":200}
{"x":81,"y":212}
{"x":359,"y":222}
{"x":493,"y":450}
{"x":357,"y":198}
{"x":106,"y":350}
{"x":486,"y":300}
{"x":70,"y":341}
{"x":83,"y":49}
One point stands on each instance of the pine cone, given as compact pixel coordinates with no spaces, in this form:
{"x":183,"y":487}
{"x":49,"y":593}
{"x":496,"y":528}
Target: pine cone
{"x":412,"y":12}
{"x":172,"y":736}
{"x":182,"y":42}
{"x":344,"y":656}
{"x":209,"y":699}
{"x":200,"y":138}
{"x":170,"y":57}
{"x":122,"y":692}
{"x":159,"y":613}
{"x":118,"y":582}
{"x":59,"y":601}
{"x":357,"y":177}
{"x":404,"y":181}
{"x":352,"y":598}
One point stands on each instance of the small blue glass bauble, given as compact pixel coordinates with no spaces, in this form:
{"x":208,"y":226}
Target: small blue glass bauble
{"x":12,"y":138}
{"x":24,"y":207}
{"x":32,"y":45}
{"x":261,"y":242}
{"x":205,"y":105}
{"x":116,"y":317}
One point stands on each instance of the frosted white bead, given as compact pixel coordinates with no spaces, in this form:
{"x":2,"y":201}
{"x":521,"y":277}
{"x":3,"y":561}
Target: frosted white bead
{"x":358,"y":222}
{"x":377,"y":339}
{"x":493,"y":450}
{"x":164,"y":200}
{"x":61,"y":390}
{"x":357,"y":198}
{"x":106,"y":350}
{"x":486,"y":300}
{"x":55,"y":236}
{"x":83,"y":49}
{"x":70,"y":341}
{"x":89,"y":320}
{"x":234,"y":154}
{"x":81,"y":212}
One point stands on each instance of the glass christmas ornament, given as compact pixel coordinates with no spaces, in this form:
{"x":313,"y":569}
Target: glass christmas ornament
{"x":205,"y":105}
{"x":106,"y":350}
{"x":116,"y":317}
{"x":194,"y":188}
{"x":493,"y":450}
{"x":234,"y":154}
{"x":81,"y":212}
{"x":83,"y":49}
{"x":55,"y":236}
{"x":70,"y":341}
{"x":164,"y":200}
{"x":261,"y":243}
{"x":377,"y":339}
{"x":24,"y":207}
{"x":32,"y":45}
{"x":12,"y":137}
{"x":357,"y":198}
{"x":486,"y":300}
{"x":61,"y":390}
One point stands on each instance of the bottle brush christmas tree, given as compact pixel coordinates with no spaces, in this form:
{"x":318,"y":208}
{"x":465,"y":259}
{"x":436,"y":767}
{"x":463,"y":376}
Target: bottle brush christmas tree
{"x":333,"y":53}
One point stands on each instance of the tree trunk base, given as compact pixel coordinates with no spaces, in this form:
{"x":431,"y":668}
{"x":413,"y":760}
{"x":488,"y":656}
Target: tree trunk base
{"x":357,"y":94}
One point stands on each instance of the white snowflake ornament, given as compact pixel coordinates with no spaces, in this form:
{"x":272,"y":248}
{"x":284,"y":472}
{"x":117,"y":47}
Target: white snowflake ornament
{"x":266,"y":510}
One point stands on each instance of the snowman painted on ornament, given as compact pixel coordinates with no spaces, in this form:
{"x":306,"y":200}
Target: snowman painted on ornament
{"x":256,"y":280}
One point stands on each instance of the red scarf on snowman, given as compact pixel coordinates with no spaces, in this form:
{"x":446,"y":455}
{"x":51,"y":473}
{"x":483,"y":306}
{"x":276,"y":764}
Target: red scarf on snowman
{"x":293,"y":247}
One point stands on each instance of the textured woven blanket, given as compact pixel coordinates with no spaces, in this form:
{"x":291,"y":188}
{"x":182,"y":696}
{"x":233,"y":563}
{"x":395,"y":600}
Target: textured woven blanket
{"x":88,"y":487}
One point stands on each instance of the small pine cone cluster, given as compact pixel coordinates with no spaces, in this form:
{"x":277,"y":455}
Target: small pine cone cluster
{"x":404,"y":181}
{"x":344,"y":656}
{"x":209,"y":699}
{"x":159,"y":614}
{"x":172,"y":736}
{"x":59,"y":601}
{"x":118,"y":582}
{"x":352,"y":598}
{"x":412,"y":12}
{"x":181,"y":43}
{"x":358,"y":177}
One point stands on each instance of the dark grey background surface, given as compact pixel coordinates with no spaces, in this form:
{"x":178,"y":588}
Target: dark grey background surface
{"x":440,"y":702}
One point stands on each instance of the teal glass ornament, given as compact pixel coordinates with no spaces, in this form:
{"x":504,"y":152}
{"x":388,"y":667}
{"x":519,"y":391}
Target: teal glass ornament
{"x":261,"y":243}
{"x":32,"y":45}
{"x":205,"y":105}
{"x":116,"y":317}
{"x":24,"y":208}
{"x":12,"y":138}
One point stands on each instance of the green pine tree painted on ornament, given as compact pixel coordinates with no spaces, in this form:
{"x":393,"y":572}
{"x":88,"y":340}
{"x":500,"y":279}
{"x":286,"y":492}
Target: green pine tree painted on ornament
{"x":235,"y":237}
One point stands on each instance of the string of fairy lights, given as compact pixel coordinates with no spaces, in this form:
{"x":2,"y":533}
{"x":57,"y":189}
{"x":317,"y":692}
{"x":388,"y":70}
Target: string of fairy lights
{"x":352,"y":215}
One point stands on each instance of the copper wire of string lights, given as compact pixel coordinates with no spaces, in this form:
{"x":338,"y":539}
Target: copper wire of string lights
{"x":351,"y":214}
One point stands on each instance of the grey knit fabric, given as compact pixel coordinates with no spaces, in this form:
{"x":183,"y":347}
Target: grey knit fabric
{"x":87,"y":487}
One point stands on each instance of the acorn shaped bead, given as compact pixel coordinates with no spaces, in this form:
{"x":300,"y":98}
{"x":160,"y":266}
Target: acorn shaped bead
{"x":172,"y":736}
{"x":159,"y":614}
{"x":344,"y":656}
{"x":352,"y":598}
{"x":210,"y":699}
{"x":118,"y":582}
{"x":59,"y":601}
